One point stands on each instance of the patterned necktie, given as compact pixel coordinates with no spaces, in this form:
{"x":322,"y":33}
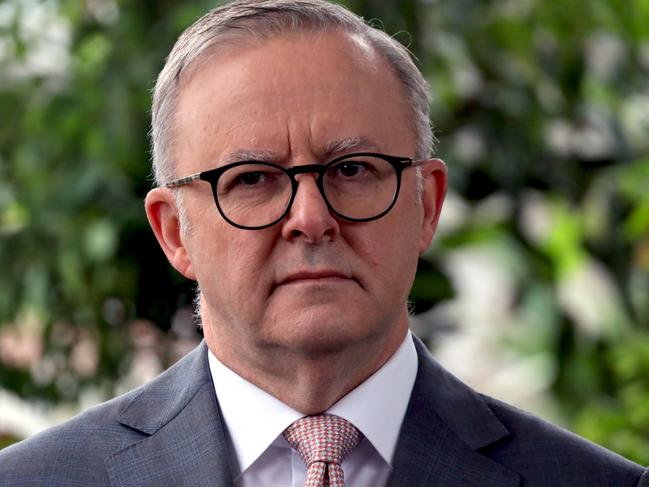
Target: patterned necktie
{"x":323,"y":442}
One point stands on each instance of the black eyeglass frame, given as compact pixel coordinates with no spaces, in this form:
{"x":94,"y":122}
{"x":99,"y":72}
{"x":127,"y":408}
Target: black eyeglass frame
{"x":212,"y":176}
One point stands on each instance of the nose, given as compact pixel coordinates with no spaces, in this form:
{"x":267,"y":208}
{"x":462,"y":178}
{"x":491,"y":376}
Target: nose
{"x":309,"y":217}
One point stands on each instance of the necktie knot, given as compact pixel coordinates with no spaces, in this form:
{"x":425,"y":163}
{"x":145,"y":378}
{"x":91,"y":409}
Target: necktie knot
{"x":323,"y":442}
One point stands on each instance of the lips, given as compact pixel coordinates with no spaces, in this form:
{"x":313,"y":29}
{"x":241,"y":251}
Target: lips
{"x":304,"y":276}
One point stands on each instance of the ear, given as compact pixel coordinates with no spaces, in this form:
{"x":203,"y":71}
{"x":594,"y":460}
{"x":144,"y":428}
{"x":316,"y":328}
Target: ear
{"x":162,"y":212}
{"x":435,"y":182}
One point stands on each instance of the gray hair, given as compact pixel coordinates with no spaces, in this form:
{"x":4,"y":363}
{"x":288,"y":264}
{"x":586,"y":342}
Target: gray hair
{"x":242,"y":20}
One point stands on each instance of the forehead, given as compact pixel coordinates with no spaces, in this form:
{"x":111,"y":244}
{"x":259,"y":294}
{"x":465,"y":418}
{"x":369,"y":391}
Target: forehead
{"x":298,"y":93}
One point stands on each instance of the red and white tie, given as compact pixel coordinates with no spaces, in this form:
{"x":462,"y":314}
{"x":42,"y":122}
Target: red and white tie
{"x":323,"y":442}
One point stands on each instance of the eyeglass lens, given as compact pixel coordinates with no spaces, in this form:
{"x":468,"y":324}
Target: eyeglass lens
{"x":257,"y":194}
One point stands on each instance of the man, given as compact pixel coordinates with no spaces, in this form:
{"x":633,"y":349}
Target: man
{"x":295,"y":186}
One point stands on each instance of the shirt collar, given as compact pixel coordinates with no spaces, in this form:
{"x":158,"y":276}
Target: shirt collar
{"x":376,"y":407}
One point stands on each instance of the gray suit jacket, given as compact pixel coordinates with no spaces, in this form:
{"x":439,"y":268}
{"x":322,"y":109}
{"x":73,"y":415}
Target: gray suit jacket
{"x":169,"y":433}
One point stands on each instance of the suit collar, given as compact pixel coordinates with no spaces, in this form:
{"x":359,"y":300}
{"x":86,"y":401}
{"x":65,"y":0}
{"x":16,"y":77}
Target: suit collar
{"x":156,"y":403}
{"x":186,"y":442}
{"x":445,"y":426}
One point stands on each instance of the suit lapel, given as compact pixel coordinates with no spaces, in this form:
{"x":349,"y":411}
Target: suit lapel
{"x":445,"y":425}
{"x":185,"y":442}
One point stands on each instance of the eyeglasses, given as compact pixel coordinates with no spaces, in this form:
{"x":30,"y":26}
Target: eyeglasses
{"x":252,"y":195}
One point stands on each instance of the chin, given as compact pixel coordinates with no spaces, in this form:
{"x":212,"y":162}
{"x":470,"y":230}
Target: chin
{"x":325,"y":335}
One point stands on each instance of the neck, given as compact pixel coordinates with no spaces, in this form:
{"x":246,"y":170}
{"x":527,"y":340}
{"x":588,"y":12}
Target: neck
{"x":309,"y":383}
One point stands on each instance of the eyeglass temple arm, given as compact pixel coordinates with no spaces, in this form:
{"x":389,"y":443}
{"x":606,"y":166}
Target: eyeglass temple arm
{"x":182,"y":181}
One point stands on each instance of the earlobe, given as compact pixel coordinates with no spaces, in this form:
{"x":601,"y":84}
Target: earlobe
{"x":162,"y":213}
{"x":435,"y":182}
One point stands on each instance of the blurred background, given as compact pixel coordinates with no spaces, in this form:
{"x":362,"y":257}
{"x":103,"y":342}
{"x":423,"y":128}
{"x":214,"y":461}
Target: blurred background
{"x":536,"y":289}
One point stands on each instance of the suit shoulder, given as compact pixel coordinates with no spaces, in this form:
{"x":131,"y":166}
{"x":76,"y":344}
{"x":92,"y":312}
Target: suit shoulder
{"x":74,"y":452}
{"x":71,"y":453}
{"x":534,"y":443}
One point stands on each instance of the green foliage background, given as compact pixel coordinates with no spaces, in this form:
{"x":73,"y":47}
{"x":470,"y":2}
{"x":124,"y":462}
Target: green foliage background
{"x":533,"y":101}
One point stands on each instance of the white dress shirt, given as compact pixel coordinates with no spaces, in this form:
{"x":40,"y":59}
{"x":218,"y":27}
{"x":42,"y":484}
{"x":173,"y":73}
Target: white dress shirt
{"x":255,"y":421}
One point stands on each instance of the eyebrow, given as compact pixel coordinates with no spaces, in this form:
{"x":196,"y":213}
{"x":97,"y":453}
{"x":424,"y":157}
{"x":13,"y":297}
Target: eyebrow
{"x":339,"y":146}
{"x":331,"y":149}
{"x":250,"y":155}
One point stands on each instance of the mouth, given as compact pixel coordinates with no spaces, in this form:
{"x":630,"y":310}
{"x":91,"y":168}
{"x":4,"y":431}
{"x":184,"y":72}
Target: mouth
{"x":314,"y":277}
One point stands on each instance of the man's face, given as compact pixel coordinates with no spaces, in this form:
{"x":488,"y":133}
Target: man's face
{"x":312,"y":283}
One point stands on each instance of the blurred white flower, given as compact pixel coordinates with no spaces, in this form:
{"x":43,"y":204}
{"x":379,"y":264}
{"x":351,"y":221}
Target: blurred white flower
{"x":104,"y":11}
{"x":486,"y":278}
{"x":46,"y":35}
{"x":536,"y":217}
{"x":558,"y":136}
{"x":469,"y":144}
{"x":590,"y":297}
{"x":605,"y":52}
{"x":634,"y":115}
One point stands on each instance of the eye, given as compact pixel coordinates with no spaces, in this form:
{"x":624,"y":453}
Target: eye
{"x":252,"y":183}
{"x":250,"y":178}
{"x":350,"y":169}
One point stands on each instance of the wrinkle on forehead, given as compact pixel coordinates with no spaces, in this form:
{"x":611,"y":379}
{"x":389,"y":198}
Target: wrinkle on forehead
{"x":339,"y":146}
{"x":330,"y":150}
{"x":237,"y":110}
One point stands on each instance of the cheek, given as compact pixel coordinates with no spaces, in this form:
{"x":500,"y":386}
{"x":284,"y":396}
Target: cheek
{"x":388,"y":247}
{"x":374,"y":252}
{"x":237,"y":260}
{"x":397,"y":244}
